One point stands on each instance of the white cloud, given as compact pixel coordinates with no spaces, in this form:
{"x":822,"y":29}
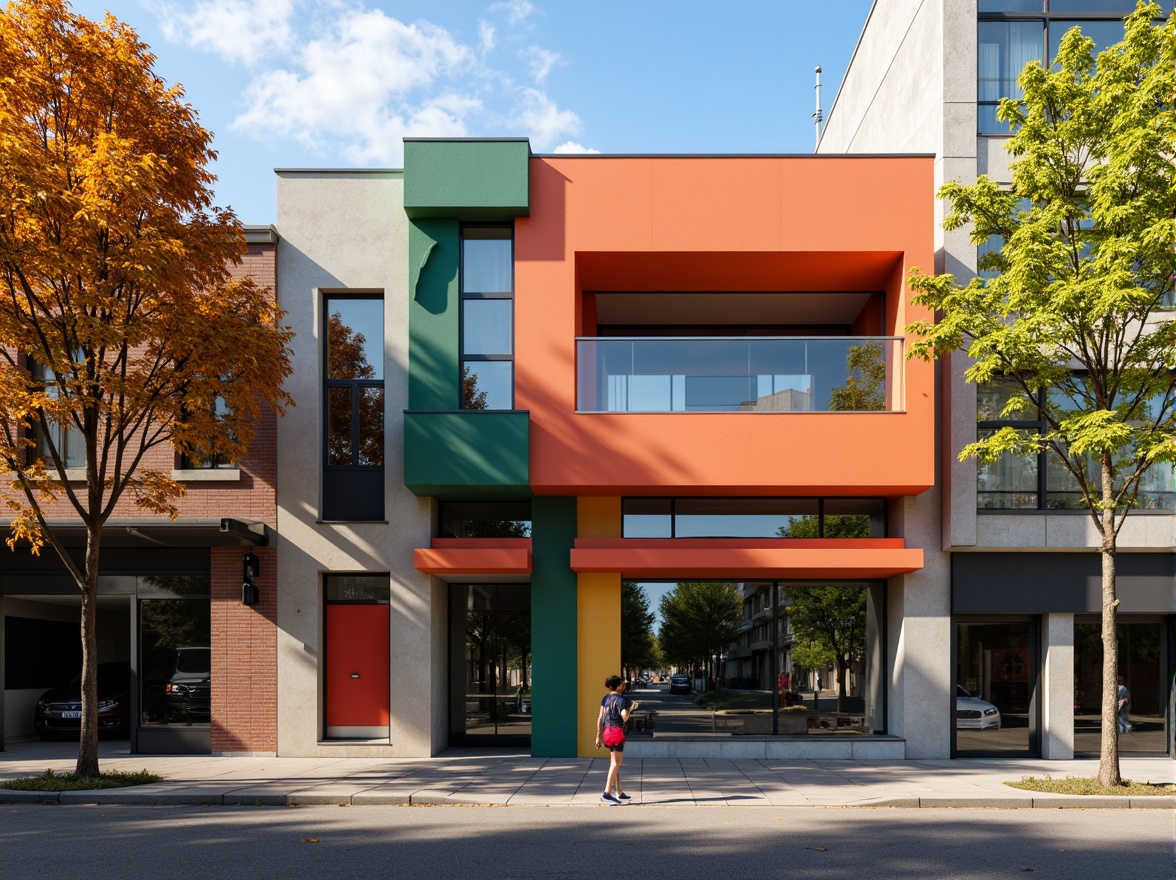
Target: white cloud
{"x":541,"y":61}
{"x":542,"y":119}
{"x":351,"y":82}
{"x":516,"y":10}
{"x":573,"y":147}
{"x":239,"y":31}
{"x":365,"y":84}
{"x":486,"y":34}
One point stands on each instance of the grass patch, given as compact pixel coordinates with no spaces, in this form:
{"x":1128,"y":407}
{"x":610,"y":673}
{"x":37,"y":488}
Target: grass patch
{"x":1088,"y":785}
{"x":50,"y":781}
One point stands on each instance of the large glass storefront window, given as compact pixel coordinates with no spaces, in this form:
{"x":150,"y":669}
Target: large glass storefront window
{"x":1144,"y":663}
{"x":996,"y":679}
{"x":753,"y":658}
{"x":490,"y":664}
{"x":175,"y":677}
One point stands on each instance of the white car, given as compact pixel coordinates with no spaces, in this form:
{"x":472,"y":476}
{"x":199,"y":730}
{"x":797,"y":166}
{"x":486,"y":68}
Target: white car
{"x":973,"y":713}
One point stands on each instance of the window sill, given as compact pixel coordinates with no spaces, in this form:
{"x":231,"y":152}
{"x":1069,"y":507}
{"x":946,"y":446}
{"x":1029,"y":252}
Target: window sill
{"x":206,"y":475}
{"x":72,"y":475}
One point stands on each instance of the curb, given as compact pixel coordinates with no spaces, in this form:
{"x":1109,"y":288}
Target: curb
{"x":114,"y":797}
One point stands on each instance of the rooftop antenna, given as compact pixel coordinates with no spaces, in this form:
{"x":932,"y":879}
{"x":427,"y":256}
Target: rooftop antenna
{"x":817,"y":117}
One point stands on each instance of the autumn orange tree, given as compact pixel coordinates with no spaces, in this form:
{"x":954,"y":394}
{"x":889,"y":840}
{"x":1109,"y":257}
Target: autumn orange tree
{"x":121,"y":329}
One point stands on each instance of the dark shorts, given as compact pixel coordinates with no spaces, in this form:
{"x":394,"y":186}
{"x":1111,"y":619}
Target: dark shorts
{"x":614,"y":739}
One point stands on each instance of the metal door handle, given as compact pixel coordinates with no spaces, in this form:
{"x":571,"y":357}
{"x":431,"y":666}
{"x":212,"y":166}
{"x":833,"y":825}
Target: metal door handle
{"x":355,"y":675}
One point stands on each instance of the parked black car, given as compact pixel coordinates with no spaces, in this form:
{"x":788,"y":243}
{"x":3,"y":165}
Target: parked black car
{"x":188,"y":696}
{"x":59,"y":711}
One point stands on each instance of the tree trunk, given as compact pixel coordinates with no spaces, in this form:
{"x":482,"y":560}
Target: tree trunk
{"x":842,"y":675}
{"x":1108,"y":759}
{"x":87,"y":765}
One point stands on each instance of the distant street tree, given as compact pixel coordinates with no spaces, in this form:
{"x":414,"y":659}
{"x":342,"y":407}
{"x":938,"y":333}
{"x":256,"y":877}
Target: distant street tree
{"x":1068,"y":309}
{"x":700,"y":620}
{"x":829,"y":623}
{"x":121,"y":331}
{"x":638,"y":648}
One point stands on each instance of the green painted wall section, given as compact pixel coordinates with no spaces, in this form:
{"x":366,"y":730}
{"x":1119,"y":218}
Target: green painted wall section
{"x":451,"y":454}
{"x":553,"y":627}
{"x":470,"y":179}
{"x":473,"y":455}
{"x":434,"y":250}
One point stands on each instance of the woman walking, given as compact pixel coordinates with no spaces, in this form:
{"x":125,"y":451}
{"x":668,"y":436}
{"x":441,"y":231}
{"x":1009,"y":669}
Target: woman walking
{"x":610,"y":729}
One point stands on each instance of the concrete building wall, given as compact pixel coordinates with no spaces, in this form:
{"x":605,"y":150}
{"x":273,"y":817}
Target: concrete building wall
{"x":912,"y":85}
{"x":347,"y":231}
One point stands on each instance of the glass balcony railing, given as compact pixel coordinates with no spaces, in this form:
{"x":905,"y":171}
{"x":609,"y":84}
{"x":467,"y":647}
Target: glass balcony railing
{"x":740,"y":374}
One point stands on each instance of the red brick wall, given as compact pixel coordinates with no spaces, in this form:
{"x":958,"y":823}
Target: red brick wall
{"x":250,"y":498}
{"x":244,"y":654}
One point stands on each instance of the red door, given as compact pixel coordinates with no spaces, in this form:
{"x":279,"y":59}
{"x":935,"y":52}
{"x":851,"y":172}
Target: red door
{"x":357,"y":681}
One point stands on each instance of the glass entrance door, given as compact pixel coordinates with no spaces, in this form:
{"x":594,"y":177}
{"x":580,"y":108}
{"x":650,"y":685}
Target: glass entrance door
{"x":995,"y":706}
{"x":1144,"y":654}
{"x":490,"y":664}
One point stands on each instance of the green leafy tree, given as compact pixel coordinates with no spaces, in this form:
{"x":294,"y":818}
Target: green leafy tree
{"x":829,"y":623}
{"x":836,"y":526}
{"x":865,"y":389}
{"x":1071,"y":313}
{"x":638,"y":649}
{"x":700,"y":620}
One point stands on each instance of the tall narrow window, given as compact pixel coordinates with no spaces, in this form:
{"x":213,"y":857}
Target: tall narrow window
{"x":209,"y":456}
{"x":1005,"y":47}
{"x":353,"y":488}
{"x":69,"y":444}
{"x":487,"y":317}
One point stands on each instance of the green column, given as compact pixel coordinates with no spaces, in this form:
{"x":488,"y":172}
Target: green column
{"x":434,"y":247}
{"x":553,"y":627}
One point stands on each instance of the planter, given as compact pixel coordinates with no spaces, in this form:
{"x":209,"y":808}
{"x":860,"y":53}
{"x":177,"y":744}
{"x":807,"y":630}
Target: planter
{"x":760,"y":723}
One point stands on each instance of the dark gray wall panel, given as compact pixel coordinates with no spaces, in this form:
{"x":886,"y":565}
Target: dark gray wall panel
{"x":1043,"y":583}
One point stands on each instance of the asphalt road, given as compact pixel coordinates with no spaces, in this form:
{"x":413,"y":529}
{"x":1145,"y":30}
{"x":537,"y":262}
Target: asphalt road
{"x":549,"y":843}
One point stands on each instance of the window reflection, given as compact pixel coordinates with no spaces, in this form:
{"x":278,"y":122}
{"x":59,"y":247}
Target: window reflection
{"x":175,"y":662}
{"x":488,"y":385}
{"x":761,"y":658}
{"x":487,"y":326}
{"x":485,"y":519}
{"x":1143,"y":647}
{"x":490,"y":661}
{"x":995,"y":678}
{"x":487,"y":318}
{"x":486,"y":259}
{"x":754,"y":518}
{"x":355,"y":337}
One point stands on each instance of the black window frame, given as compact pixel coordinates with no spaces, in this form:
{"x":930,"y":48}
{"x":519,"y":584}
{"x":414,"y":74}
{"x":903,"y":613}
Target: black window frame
{"x":1042,"y":465}
{"x":351,"y":492}
{"x":1047,"y":15}
{"x":820,"y":501}
{"x":354,"y":385}
{"x":216,"y":460}
{"x":464,"y":359}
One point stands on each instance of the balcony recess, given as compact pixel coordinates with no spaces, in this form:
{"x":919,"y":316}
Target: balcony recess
{"x":765,"y":374}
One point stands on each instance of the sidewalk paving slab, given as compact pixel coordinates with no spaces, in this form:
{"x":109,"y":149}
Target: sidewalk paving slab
{"x":521,"y":780}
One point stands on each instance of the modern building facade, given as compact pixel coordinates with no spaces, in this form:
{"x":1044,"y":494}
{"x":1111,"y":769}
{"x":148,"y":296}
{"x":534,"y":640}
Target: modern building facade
{"x":598,"y":368}
{"x":1022,"y":586}
{"x":524,"y":380}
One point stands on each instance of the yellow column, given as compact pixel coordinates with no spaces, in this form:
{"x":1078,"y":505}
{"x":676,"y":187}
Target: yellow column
{"x":598,"y":621}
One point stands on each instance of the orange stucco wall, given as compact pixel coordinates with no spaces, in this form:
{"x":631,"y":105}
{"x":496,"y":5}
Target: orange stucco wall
{"x":713,"y":224}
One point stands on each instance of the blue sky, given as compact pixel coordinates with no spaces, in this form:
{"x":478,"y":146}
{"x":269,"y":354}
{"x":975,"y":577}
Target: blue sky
{"x":338,"y":83}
